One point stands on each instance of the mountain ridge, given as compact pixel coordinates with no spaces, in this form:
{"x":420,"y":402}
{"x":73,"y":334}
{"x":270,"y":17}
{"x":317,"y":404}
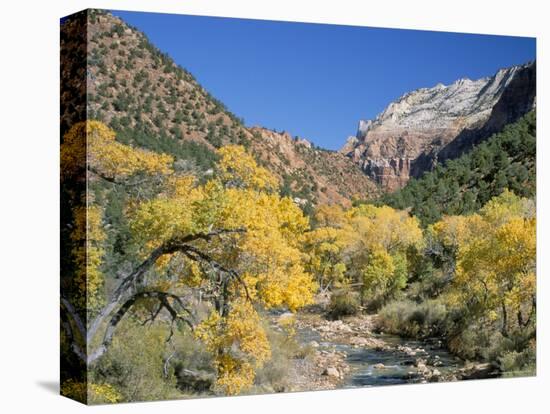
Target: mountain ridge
{"x":430,"y":125}
{"x":151,"y":101}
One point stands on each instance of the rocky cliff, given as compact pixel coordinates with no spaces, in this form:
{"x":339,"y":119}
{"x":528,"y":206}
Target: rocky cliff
{"x":431,"y":125}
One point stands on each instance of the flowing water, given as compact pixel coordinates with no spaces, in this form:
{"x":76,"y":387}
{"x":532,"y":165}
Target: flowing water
{"x":397,"y":367}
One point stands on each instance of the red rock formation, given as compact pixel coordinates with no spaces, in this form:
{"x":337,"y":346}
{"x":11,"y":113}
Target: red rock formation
{"x":430,"y":125}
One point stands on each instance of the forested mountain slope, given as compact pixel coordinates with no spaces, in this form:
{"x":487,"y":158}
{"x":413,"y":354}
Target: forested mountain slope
{"x":462,"y":186}
{"x":153,"y":103}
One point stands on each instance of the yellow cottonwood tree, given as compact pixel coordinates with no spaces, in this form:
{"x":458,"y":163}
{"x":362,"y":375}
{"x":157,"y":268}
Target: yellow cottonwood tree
{"x":365,"y":245}
{"x":233,"y":238}
{"x":238,"y":168}
{"x":94,"y":142}
{"x":88,"y":236}
{"x":385,"y":227}
{"x":381,"y":239}
{"x":452,"y":231}
{"x":89,"y":147}
{"x":261,"y":246}
{"x":383,"y":275}
{"x":325,"y":247}
{"x":239,"y":344}
{"x":496,"y":260}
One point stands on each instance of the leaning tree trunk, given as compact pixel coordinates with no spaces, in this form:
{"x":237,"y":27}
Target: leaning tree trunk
{"x":130,"y":291}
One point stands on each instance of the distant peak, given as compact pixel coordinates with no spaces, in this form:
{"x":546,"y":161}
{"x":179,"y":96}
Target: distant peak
{"x":406,"y":137}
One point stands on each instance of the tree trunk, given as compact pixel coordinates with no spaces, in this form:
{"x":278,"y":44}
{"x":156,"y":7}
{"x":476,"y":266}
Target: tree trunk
{"x":504,"y":328}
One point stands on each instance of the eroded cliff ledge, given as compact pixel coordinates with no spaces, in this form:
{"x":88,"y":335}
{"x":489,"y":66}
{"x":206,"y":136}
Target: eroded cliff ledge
{"x":430,"y":125}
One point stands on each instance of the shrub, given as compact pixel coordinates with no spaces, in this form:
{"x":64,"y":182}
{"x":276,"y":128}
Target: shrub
{"x":344,"y":303}
{"x":276,"y":374}
{"x":517,"y":364}
{"x":135,"y":363}
{"x":415,"y":320}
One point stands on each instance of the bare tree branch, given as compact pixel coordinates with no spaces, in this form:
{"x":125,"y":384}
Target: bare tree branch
{"x":166,"y":362}
{"x":124,"y":289}
{"x":163,"y":298}
{"x":197,"y":255}
{"x":117,"y":182}
{"x":153,"y":315}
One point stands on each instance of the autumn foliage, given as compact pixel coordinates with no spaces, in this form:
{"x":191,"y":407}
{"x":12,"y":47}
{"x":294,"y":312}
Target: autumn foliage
{"x":204,"y":258}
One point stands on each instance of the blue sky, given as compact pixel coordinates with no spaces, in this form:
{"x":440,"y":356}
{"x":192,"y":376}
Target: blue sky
{"x":317,"y":81}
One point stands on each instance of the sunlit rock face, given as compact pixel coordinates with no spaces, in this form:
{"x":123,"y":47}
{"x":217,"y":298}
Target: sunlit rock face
{"x":430,"y":125}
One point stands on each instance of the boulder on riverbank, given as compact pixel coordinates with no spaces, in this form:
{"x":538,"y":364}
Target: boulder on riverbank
{"x":332,"y":365}
{"x":332,"y":372}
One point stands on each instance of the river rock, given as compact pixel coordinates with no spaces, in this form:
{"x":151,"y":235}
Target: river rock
{"x":359,"y":341}
{"x":285,"y":315}
{"x":345,"y":329}
{"x":332,"y":372}
{"x":434,"y":360}
{"x":379,"y":366}
{"x":420,"y":363}
{"x":408,"y":350}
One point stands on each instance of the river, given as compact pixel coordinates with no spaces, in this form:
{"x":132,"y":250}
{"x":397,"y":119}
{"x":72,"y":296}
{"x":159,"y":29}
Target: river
{"x":397,"y":367}
{"x":395,"y":363}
